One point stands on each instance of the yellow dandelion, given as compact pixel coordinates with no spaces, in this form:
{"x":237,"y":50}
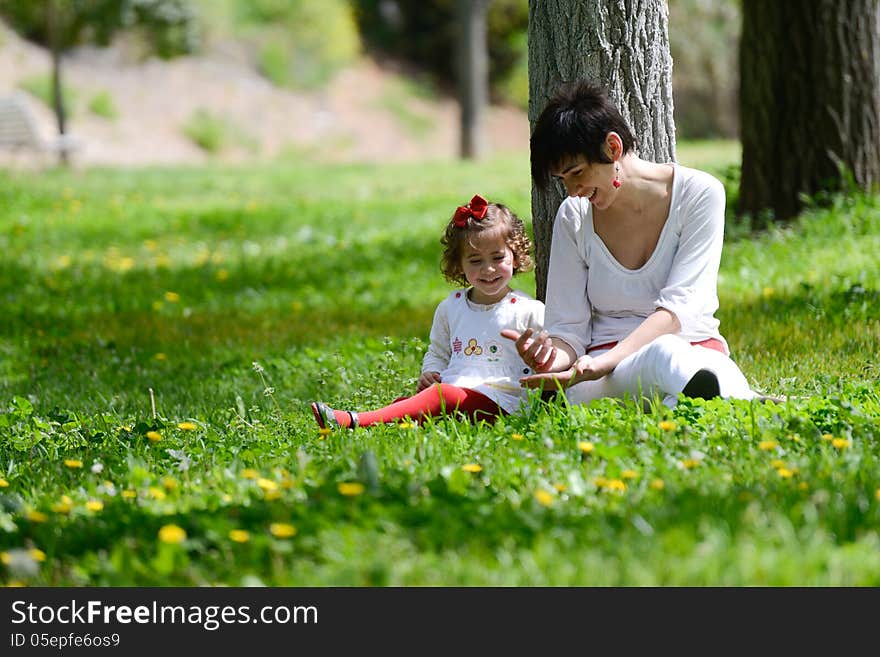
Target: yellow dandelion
{"x":767,"y":292}
{"x":65,"y":505}
{"x":667,"y":425}
{"x":156,"y":493}
{"x":73,"y":463}
{"x":767,"y":445}
{"x":350,"y":488}
{"x":128,"y":494}
{"x":239,"y":535}
{"x":405,"y":425}
{"x":827,"y":436}
{"x":803,"y":485}
{"x":272,"y":495}
{"x":629,"y":474}
{"x":5,"y":558}
{"x":37,"y":516}
{"x":267,"y":484}
{"x":250,"y":473}
{"x":600,"y":482}
{"x":172,"y":297}
{"x":160,"y":356}
{"x":690,"y":463}
{"x":877,"y":494}
{"x":95,"y":505}
{"x":544,"y":498}
{"x":324,"y":432}
{"x":616,"y":485}
{"x":282,"y":530}
{"x":777,"y":463}
{"x":3,"y":483}
{"x":785,"y":473}
{"x":287,"y":482}
{"x":586,"y":446}
{"x":187,"y":426}
{"x":170,"y":483}
{"x":841,"y":443}
{"x":37,"y":555}
{"x":221,"y":275}
{"x":172,"y":534}
{"x":472,"y":467}
{"x":296,"y":306}
{"x":154,"y":436}
{"x":560,"y":488}
{"x":517,"y":436}
{"x":658,"y":484}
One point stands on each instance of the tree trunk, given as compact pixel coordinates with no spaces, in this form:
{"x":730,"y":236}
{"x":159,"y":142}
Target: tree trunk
{"x":809,"y":101}
{"x":623,"y":44}
{"x":472,"y":53}
{"x":55,"y":19}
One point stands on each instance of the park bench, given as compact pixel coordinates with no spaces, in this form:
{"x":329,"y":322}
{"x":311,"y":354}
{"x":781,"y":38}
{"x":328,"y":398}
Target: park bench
{"x":19,"y":131}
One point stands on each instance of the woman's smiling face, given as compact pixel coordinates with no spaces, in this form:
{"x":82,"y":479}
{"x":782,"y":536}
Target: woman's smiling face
{"x":593,"y":181}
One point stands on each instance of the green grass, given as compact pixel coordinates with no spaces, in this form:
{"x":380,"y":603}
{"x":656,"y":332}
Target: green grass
{"x":236,"y":296}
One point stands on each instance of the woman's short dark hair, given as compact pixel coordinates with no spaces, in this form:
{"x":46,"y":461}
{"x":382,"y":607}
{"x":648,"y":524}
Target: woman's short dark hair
{"x":575,"y":122}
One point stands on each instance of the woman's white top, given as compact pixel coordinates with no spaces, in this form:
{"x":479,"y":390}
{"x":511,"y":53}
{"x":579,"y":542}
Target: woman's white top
{"x":592,"y":299}
{"x":467,"y":348}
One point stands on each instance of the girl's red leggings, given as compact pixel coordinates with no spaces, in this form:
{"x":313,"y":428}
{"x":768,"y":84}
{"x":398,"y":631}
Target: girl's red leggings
{"x":436,"y":400}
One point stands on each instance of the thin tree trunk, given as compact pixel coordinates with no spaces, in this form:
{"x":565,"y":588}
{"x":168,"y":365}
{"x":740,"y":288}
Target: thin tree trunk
{"x":623,"y":44}
{"x":809,"y":102}
{"x":54,"y":28}
{"x":472,"y":53}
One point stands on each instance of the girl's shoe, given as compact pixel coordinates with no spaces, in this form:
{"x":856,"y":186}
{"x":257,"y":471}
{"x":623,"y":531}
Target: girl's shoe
{"x":326,"y":418}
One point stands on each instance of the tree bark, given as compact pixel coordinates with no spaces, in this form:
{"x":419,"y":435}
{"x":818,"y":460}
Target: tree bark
{"x":809,"y":102}
{"x":473,"y":74}
{"x":623,"y":44}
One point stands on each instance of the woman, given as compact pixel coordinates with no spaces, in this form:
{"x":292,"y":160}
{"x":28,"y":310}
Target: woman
{"x":632,"y":279}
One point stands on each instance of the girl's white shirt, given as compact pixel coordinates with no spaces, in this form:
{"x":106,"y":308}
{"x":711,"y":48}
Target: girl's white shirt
{"x":592,"y":299}
{"x":467,"y":348}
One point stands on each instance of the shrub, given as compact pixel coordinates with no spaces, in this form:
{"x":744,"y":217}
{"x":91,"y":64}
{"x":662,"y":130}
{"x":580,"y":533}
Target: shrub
{"x":40,"y":86}
{"x":102,"y":105}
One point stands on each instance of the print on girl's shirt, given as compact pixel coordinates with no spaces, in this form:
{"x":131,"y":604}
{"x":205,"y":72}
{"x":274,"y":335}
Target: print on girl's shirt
{"x":456,"y":346}
{"x":494,"y":351}
{"x":473,"y":348}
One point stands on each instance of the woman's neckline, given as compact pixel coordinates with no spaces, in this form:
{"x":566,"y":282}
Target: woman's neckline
{"x":673,"y":196}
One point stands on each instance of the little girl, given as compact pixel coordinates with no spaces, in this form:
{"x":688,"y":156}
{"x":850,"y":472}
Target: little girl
{"x":468,"y":368}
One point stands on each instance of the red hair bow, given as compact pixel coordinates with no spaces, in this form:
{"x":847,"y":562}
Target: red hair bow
{"x":477,"y":209}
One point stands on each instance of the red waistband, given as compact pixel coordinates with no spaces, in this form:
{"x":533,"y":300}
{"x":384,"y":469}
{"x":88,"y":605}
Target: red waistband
{"x":708,"y":343}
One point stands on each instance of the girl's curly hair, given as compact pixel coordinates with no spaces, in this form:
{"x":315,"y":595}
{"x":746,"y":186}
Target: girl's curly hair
{"x":498,"y":218}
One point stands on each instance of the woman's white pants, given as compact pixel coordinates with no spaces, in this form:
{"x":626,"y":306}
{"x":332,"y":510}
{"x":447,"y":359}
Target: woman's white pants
{"x":661,"y":369}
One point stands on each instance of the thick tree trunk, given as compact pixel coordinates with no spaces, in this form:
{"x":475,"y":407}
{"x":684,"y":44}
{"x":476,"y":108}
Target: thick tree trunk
{"x":809,"y":101}
{"x":623,"y":44}
{"x":472,"y":52}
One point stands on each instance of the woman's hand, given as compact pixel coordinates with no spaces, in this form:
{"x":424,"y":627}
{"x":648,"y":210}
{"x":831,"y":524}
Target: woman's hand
{"x":427,"y":379}
{"x":585,"y":368}
{"x":538,"y":353}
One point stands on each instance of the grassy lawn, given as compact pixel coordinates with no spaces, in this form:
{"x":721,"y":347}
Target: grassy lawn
{"x":163,"y":331}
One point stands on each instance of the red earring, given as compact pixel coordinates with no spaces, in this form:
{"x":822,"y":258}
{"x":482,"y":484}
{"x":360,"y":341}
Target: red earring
{"x":616,"y":182}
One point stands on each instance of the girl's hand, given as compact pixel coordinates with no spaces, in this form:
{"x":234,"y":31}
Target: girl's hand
{"x":427,"y":379}
{"x":538,"y":353}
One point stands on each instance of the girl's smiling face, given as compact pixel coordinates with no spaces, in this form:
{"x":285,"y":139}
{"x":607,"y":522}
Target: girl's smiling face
{"x":488,"y":265}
